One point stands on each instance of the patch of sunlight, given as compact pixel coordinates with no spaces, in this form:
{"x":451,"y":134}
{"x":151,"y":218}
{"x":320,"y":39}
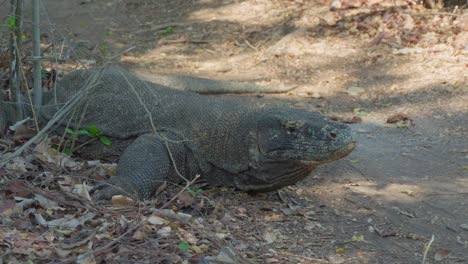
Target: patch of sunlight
{"x":462,"y":182}
{"x":247,"y":13}
{"x":391,"y":192}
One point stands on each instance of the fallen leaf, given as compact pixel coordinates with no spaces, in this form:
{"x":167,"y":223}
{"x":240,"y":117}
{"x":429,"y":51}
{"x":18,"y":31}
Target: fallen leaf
{"x":223,"y":257}
{"x":47,"y":154}
{"x":358,"y":238}
{"x":271,"y":236}
{"x":87,"y":258}
{"x":186,"y":199}
{"x":221,"y":235}
{"x":441,"y":254}
{"x":83,"y":191}
{"x":165,"y":231}
{"x":197,"y":259}
{"x":120,"y":200}
{"x":23,"y":133}
{"x":156,"y":220}
{"x":17,"y":164}
{"x":17,"y":189}
{"x":197,"y":249}
{"x":47,"y":203}
{"x":70,"y":222}
{"x":139,"y":235}
{"x":398,"y":117}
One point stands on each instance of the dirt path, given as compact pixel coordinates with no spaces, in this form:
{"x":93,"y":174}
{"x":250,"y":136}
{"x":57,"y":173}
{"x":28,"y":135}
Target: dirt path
{"x":404,"y":182}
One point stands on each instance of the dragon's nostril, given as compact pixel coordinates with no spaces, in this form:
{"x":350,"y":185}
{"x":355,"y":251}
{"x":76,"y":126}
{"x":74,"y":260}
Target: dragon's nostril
{"x":332,"y":135}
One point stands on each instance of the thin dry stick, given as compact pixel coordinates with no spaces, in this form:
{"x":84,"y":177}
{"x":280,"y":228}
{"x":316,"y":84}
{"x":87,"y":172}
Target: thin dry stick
{"x":181,"y":191}
{"x":75,"y":135}
{"x":27,"y":90}
{"x":142,"y":103}
{"x":62,"y":139}
{"x":85,"y":143}
{"x":154,"y":127}
{"x":426,"y":250}
{"x":58,"y":115}
{"x":64,"y":110}
{"x":82,"y":114}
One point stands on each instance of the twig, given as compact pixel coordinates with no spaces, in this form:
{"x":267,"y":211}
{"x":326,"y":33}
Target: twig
{"x":85,"y":143}
{"x":426,"y":250}
{"x":28,"y":92}
{"x":58,"y":115}
{"x":122,"y":53}
{"x":250,"y":45}
{"x":150,"y":116}
{"x":161,"y":26}
{"x":181,"y":191}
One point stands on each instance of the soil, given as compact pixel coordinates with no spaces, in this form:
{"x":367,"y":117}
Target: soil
{"x":406,"y":181}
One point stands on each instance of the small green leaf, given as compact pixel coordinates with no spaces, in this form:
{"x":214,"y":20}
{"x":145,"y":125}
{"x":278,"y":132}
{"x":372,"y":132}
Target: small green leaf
{"x":105,"y":140}
{"x":363,"y":113}
{"x":69,"y":131}
{"x":167,"y":31}
{"x":357,"y":238}
{"x":93,"y":131}
{"x":82,"y":132}
{"x":68,"y":152}
{"x":12,"y":22}
{"x":43,"y":73}
{"x":184,"y":246}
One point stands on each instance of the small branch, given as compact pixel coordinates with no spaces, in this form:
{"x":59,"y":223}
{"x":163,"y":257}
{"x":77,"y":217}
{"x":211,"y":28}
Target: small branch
{"x":426,"y":250}
{"x":150,"y":115}
{"x":160,"y":27}
{"x":84,"y":144}
{"x":187,"y":185}
{"x":250,"y":45}
{"x":58,"y":115}
{"x":28,"y":92}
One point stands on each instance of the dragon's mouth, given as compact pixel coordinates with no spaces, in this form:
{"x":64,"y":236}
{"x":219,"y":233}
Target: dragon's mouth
{"x":312,"y":158}
{"x":333,"y":155}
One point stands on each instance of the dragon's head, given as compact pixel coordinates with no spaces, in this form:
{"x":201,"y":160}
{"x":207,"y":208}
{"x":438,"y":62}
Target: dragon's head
{"x":299,"y":135}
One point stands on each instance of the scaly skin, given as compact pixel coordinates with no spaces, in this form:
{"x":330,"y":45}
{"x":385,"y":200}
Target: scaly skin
{"x":165,"y":134}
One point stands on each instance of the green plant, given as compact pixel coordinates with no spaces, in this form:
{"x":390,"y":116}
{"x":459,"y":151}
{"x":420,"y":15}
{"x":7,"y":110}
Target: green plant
{"x":167,"y":31}
{"x":184,"y":246}
{"x":11,"y":23}
{"x":105,"y":50}
{"x":195,"y":192}
{"x":43,"y":73}
{"x":92,"y":132}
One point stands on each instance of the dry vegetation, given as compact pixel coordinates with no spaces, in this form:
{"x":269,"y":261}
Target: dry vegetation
{"x":395,"y":70}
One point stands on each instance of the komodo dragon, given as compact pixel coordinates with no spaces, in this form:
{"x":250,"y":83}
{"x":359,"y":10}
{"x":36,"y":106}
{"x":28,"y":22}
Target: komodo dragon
{"x":167,"y":135}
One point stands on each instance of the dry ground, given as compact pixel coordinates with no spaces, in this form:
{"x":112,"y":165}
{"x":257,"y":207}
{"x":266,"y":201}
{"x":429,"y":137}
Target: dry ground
{"x":405,"y":182}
